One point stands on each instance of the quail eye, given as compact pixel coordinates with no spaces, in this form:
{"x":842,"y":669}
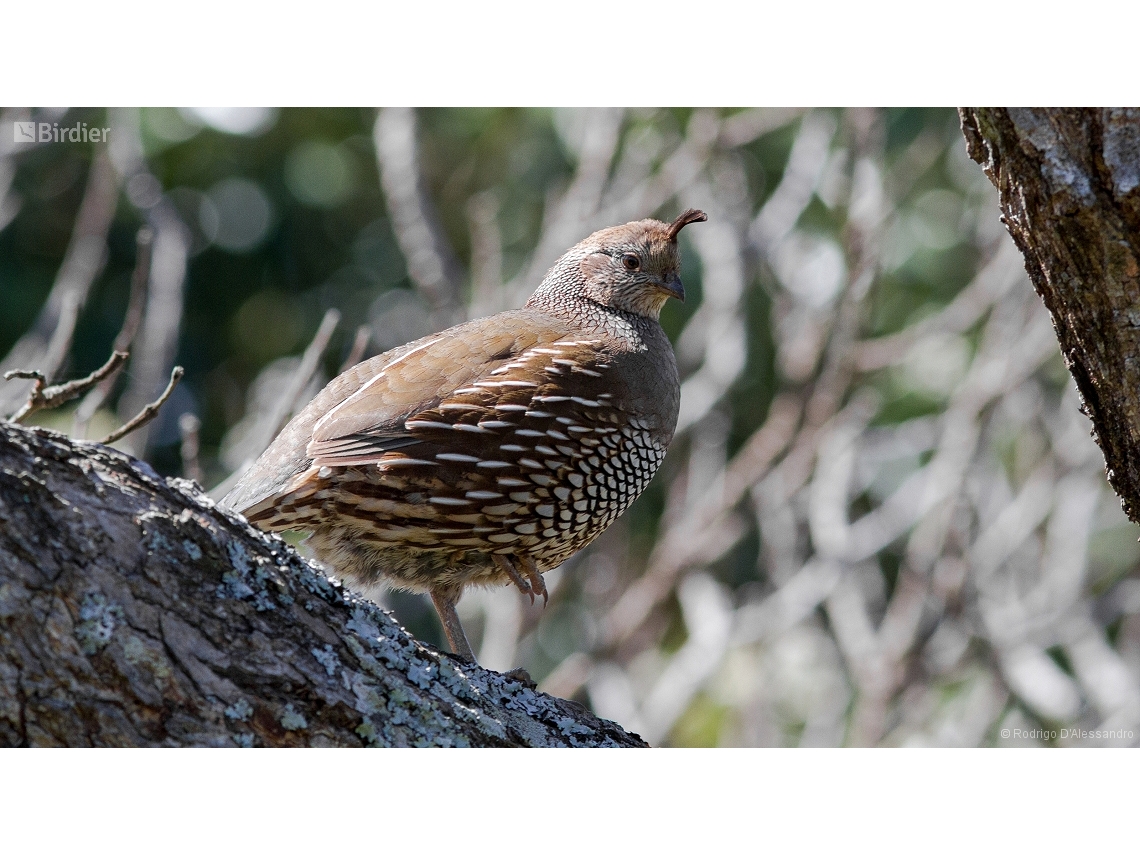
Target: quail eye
{"x":630,"y":261}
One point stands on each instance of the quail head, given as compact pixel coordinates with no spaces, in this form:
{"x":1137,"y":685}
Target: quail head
{"x":490,"y":452}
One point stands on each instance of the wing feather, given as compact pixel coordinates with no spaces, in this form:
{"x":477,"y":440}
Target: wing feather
{"x":441,"y":388}
{"x":378,"y":401}
{"x":465,"y":418}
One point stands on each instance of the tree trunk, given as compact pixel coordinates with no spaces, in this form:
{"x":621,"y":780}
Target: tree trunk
{"x":1069,"y":187}
{"x":135,"y":612}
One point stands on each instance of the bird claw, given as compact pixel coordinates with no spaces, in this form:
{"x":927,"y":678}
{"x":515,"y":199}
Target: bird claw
{"x":532,"y":583}
{"x":537,"y":583}
{"x":509,"y":568}
{"x":536,"y":579}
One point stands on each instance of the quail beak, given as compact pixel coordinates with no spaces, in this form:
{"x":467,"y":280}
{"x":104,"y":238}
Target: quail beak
{"x":672,"y":286}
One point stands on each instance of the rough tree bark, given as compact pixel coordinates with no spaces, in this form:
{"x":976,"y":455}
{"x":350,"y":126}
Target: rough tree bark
{"x":133,"y":611}
{"x":1069,"y":187}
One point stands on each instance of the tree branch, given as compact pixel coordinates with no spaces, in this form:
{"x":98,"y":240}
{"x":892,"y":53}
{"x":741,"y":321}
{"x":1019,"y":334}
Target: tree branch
{"x":431,"y":262}
{"x":1069,"y":187}
{"x":55,"y":396}
{"x":147,"y":413}
{"x":159,"y":328}
{"x":135,"y":612}
{"x":46,"y":345}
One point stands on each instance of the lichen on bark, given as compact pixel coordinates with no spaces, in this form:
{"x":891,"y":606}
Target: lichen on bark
{"x":133,"y":611}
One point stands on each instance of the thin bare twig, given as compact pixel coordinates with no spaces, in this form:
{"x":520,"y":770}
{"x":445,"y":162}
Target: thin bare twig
{"x":359,"y":346}
{"x":674,"y":176}
{"x":54,"y":396}
{"x":749,"y":125}
{"x":148,"y":412}
{"x":189,"y":426}
{"x":144,"y":249}
{"x":573,"y":213}
{"x":431,"y":262}
{"x":10,"y":202}
{"x":136,"y":303}
{"x":305,"y":371}
{"x":1005,"y":269}
{"x":487,"y":292}
{"x":720,"y":320}
{"x":47,"y":344}
{"x":159,"y":329}
{"x":266,"y":428}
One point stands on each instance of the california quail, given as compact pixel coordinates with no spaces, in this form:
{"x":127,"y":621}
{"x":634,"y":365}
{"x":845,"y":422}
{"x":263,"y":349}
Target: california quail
{"x":490,"y":452}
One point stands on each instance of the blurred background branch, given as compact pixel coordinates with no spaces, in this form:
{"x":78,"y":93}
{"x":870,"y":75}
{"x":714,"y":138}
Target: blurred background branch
{"x":47,"y":344}
{"x":158,"y":332}
{"x":431,"y":263}
{"x":883,"y":520}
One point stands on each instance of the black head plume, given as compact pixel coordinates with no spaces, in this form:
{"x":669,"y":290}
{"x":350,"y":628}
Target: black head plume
{"x":692,"y":215}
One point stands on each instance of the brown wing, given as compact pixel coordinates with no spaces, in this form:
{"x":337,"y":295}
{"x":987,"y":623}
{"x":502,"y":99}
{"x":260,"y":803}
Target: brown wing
{"x":459,"y":410}
{"x":372,"y":400}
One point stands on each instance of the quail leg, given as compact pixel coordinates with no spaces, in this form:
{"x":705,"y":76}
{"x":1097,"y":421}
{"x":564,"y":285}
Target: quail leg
{"x":444,"y":600}
{"x":508,"y":567}
{"x":537,"y":584}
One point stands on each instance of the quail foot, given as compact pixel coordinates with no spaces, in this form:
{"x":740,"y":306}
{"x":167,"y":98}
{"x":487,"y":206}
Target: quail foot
{"x":491,"y":452}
